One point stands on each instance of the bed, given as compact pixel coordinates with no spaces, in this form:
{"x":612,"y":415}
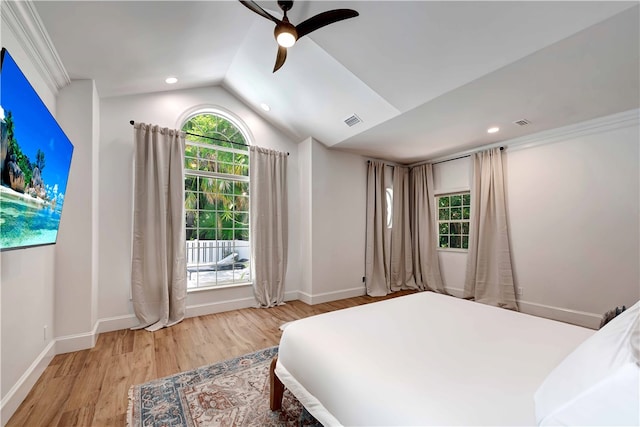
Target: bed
{"x":431,"y":359}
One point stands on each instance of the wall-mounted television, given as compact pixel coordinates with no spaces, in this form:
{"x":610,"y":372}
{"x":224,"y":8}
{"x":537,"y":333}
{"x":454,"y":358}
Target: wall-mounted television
{"x":34,"y":163}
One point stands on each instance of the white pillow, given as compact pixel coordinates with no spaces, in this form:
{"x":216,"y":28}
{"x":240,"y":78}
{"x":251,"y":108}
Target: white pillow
{"x":599,"y":382}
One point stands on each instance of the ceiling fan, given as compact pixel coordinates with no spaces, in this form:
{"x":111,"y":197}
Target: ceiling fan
{"x":287,"y":34}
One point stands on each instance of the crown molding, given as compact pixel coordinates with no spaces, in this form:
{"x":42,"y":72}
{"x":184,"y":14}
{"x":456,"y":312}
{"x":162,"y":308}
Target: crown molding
{"x":588,"y":127}
{"x":23,"y":21}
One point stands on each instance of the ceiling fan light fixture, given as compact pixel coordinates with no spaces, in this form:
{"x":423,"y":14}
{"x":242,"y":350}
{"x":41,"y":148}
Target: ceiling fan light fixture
{"x":286,"y":34}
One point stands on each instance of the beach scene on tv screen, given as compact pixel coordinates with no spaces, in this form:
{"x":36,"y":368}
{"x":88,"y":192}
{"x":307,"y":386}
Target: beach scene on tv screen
{"x":34,"y":164}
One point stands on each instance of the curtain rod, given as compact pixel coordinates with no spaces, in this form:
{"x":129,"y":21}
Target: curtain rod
{"x":131,"y":122}
{"x":448,"y":160}
{"x":204,"y":136}
{"x":427,"y":161}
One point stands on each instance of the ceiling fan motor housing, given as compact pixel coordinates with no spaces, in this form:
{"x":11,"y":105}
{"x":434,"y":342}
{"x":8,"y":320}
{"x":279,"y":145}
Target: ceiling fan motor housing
{"x":285,"y":5}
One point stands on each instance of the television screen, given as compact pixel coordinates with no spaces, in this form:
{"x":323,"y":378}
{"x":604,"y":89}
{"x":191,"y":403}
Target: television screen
{"x":34,"y":163}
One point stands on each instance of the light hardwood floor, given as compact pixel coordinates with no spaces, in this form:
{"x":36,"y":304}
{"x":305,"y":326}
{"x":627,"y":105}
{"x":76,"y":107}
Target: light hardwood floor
{"x":89,"y":387}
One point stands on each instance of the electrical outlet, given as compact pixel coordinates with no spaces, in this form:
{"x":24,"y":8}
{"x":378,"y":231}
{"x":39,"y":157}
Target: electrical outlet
{"x":45,"y":333}
{"x":520,"y":291}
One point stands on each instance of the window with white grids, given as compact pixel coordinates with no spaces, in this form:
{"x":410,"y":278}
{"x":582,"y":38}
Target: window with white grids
{"x":216,"y":202}
{"x":453,"y":220}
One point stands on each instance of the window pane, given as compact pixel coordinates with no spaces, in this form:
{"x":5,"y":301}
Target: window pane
{"x":443,"y":202}
{"x":456,"y":242}
{"x":465,"y":213}
{"x":191,"y":199}
{"x":465,"y":228}
{"x":456,"y":213}
{"x":224,"y":167}
{"x":444,"y":214}
{"x":190,"y":218}
{"x":206,"y":184}
{"x":444,"y":228}
{"x":204,"y":234}
{"x":208,"y":202}
{"x":465,"y":242}
{"x":456,"y":200}
{"x":207,"y":159}
{"x":455,"y":228}
{"x":223,"y":186}
{"x":191,"y":234}
{"x":241,"y":203}
{"x":190,"y":162}
{"x":466,"y":199}
{"x":241,"y":234}
{"x":241,"y":220}
{"x":190,"y":182}
{"x":444,"y":241}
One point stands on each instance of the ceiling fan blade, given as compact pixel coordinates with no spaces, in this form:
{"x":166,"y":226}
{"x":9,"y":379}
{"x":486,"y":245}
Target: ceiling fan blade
{"x":282,"y":56}
{"x":260,"y":11}
{"x":322,"y":19}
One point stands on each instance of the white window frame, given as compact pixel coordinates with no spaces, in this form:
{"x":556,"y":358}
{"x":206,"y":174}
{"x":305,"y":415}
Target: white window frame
{"x":192,"y":269}
{"x":438,"y":221}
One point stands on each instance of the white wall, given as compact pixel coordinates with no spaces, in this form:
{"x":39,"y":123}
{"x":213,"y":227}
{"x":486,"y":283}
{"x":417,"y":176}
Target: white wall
{"x":306,"y":217}
{"x":573,"y":208}
{"x":26,"y":281}
{"x":336,"y":182}
{"x":76,"y":270}
{"x":115,"y":171}
{"x":450,"y":177}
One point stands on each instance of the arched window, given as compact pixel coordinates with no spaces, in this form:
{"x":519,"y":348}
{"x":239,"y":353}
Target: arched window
{"x":216,"y":164}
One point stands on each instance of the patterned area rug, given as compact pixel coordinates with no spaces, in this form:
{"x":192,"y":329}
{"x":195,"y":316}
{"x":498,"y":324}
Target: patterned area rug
{"x":230,"y":393}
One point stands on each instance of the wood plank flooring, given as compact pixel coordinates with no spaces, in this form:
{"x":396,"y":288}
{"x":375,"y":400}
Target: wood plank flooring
{"x":89,"y":387}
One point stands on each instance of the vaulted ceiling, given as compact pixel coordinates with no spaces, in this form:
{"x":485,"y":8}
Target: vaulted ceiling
{"x":426,"y":78}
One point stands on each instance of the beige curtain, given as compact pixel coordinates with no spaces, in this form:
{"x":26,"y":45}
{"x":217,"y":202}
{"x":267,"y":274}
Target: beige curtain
{"x":268,"y":224}
{"x":423,"y":230}
{"x":376,"y":250}
{"x":158,"y":266}
{"x":401,"y":269}
{"x":388,"y":257}
{"x":489,"y":276}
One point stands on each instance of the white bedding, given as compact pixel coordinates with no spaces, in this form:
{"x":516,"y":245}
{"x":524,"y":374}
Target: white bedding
{"x":422,"y":359}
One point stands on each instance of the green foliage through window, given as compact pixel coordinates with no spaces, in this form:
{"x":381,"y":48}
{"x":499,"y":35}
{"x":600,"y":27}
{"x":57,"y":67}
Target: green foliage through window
{"x":454,"y":211}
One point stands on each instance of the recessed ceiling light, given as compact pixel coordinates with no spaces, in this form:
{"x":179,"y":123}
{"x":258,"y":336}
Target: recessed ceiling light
{"x":265,"y":107}
{"x":493,"y":129}
{"x":171,"y":80}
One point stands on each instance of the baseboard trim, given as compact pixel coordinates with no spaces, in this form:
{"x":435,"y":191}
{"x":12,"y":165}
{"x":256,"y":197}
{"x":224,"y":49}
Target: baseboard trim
{"x":23,"y":386}
{"x":218,"y":307}
{"x":575,"y":317}
{"x":117,"y":323}
{"x":77,"y":342}
{"x":331,"y":296}
{"x":235,"y":304}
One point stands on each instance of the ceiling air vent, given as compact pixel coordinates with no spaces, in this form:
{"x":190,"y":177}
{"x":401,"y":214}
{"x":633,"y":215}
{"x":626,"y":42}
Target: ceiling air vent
{"x":352,"y":120}
{"x":522,"y":122}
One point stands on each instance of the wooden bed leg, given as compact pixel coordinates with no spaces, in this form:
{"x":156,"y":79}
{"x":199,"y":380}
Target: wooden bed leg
{"x":276,"y":389}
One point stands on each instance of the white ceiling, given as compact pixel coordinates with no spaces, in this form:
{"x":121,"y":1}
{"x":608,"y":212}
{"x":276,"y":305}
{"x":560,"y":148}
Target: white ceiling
{"x":427,"y":78}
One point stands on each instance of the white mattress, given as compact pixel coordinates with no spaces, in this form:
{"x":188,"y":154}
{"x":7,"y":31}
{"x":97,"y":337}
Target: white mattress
{"x":422,"y":359}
